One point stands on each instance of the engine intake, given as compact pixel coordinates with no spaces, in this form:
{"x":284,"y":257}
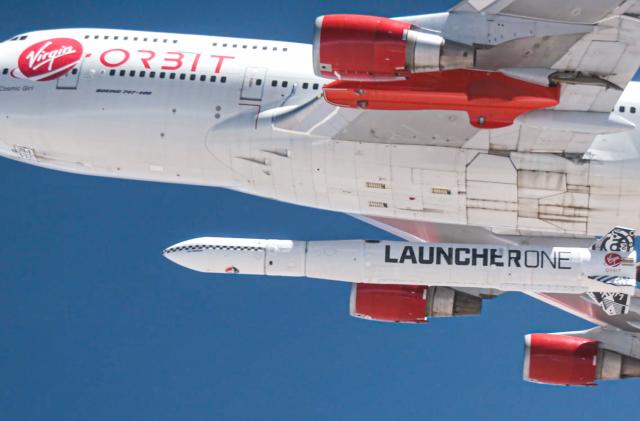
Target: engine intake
{"x":410,"y":303}
{"x":361,"y":48}
{"x":573,"y":361}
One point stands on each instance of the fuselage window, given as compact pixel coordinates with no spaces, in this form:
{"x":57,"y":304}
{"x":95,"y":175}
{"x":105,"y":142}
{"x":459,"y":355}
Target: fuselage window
{"x":255,"y":47}
{"x":172,"y":76}
{"x":258,"y":82}
{"x":135,"y":38}
{"x":235,"y":45}
{"x":192,"y":77}
{"x":155,"y":40}
{"x":223,"y":79}
{"x":213,"y":79}
{"x":274,"y":83}
{"x":126,"y":38}
{"x":132,"y":73}
{"x":152,"y":74}
{"x":633,"y":110}
{"x":285,"y":49}
{"x":305,"y":85}
{"x":182,"y":76}
{"x":142,"y":73}
{"x":116,"y":37}
{"x":106,"y":37}
{"x":162,"y":75}
{"x":175,"y":41}
{"x":123,"y":72}
{"x":5,"y":71}
{"x":112,"y":72}
{"x":224,"y":45}
{"x":622,"y":109}
{"x":215,"y":44}
{"x":96,"y":37}
{"x":74,"y":72}
{"x":264,"y":48}
{"x":203,"y":78}
{"x":315,"y":86}
{"x":244,"y":46}
{"x":285,"y":84}
{"x":86,"y":37}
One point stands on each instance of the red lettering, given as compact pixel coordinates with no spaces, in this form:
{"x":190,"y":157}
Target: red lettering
{"x":220,"y":61}
{"x":196,"y":59}
{"x":177,"y":61}
{"x":125,"y":58}
{"x":145,"y":61}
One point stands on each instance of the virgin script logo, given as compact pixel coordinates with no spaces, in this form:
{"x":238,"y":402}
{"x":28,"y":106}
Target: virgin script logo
{"x":50,"y":59}
{"x":613,"y":260}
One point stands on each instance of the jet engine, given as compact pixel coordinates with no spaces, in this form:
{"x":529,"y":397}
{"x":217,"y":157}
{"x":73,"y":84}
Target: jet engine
{"x":573,"y":361}
{"x":410,"y":303}
{"x":362,"y":48}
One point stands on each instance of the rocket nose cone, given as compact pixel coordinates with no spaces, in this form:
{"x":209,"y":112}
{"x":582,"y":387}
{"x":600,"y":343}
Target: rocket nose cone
{"x":172,"y":253}
{"x":224,"y":255}
{"x":188,"y":254}
{"x":169,"y":253}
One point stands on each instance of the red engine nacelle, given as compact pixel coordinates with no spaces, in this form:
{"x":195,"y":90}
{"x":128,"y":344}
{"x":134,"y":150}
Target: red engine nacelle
{"x":356,"y":47}
{"x":389,"y":303}
{"x":410,"y":303}
{"x":573,"y":361}
{"x":560,"y":360}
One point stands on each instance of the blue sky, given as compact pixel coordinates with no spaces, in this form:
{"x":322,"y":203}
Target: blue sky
{"x":95,"y":324}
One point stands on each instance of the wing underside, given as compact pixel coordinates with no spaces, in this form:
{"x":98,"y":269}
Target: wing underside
{"x":590,"y":48}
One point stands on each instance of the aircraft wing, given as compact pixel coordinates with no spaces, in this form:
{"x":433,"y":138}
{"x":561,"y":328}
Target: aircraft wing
{"x":580,"y":11}
{"x":590,"y":48}
{"x":578,"y":305}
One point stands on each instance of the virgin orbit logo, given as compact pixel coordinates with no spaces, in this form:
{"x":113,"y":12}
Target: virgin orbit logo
{"x":50,"y":59}
{"x":613,"y":260}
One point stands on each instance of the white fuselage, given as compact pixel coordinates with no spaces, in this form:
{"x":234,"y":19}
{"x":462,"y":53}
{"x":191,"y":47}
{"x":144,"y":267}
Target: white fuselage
{"x":191,"y":109}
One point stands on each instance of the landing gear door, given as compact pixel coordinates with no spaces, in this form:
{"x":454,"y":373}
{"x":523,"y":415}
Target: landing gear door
{"x":253,"y":84}
{"x":70,"y":79}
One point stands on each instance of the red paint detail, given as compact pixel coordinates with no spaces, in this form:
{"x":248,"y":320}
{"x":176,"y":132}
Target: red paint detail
{"x":232,"y":269}
{"x":145,"y":60}
{"x":362,"y":47}
{"x":562,"y":360}
{"x":391,"y":303}
{"x":177,"y":60}
{"x":221,"y":59}
{"x":613,"y":260}
{"x":87,"y":55}
{"x":125,"y":57}
{"x":50,"y":59}
{"x":194,"y":65}
{"x":419,"y":229}
{"x":492,"y":96}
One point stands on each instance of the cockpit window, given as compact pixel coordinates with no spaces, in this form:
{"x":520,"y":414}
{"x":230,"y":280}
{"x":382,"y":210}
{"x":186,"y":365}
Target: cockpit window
{"x":19,"y":38}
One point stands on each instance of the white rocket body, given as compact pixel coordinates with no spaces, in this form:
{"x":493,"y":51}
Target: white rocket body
{"x":527,"y":269}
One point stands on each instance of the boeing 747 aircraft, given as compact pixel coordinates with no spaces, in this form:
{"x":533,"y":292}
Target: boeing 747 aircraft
{"x":499,"y":140}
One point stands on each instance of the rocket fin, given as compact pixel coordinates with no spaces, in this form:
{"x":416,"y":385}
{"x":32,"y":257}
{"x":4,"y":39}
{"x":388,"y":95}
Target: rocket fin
{"x":618,"y":239}
{"x":613,"y":303}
